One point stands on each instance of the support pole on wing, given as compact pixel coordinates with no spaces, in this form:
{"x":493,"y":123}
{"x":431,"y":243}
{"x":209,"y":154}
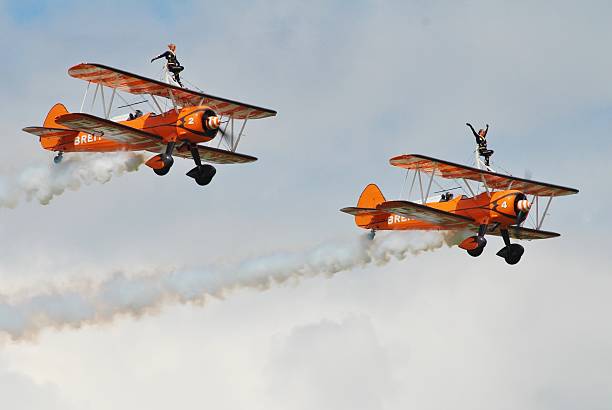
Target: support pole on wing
{"x":157,"y":104}
{"x":93,"y":101}
{"x":110,"y":104}
{"x":85,"y":96}
{"x":541,"y":221}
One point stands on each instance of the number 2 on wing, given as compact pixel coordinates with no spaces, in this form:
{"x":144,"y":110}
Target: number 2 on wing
{"x":190,"y":120}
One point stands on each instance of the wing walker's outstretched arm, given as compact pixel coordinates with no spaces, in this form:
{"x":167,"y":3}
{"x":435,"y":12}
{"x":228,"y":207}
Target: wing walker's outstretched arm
{"x":162,"y":55}
{"x":474,"y":132}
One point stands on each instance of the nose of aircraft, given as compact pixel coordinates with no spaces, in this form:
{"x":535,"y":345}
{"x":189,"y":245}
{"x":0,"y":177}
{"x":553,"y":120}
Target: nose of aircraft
{"x":213,"y":122}
{"x":523,"y":205}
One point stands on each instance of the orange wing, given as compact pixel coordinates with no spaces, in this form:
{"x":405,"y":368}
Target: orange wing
{"x":215,"y":155}
{"x":427,"y":214}
{"x":493,"y":180}
{"x":517,"y":232}
{"x":142,"y":140}
{"x":136,"y":84}
{"x":137,"y":139}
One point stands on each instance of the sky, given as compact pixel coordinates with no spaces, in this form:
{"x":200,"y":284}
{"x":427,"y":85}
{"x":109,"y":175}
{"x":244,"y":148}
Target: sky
{"x":354,"y":83}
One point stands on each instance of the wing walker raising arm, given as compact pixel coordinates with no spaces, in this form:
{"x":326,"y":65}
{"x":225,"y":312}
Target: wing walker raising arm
{"x":172,"y":63}
{"x":481,"y":141}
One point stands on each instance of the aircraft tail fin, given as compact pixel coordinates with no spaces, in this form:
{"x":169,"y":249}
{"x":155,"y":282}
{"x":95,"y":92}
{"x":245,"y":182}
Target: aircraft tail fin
{"x":53,"y":136}
{"x":370,"y":197}
{"x":55,"y":111}
{"x":366,"y":213}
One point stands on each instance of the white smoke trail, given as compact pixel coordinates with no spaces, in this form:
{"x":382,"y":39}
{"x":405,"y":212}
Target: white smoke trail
{"x":24,"y":316}
{"x":44,"y":182}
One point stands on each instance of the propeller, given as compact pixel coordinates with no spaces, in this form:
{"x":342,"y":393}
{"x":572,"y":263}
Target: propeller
{"x":225,"y":133}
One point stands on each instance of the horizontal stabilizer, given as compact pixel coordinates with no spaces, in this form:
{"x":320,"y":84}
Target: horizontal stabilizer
{"x":51,"y":132}
{"x":362,"y":211}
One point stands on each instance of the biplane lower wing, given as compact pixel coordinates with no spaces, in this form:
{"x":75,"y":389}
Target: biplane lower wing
{"x":142,"y":140}
{"x":136,"y":139}
{"x":137,"y":84}
{"x":215,"y":155}
{"x":427,"y":214}
{"x":517,"y":232}
{"x":51,"y":132}
{"x":493,"y":180}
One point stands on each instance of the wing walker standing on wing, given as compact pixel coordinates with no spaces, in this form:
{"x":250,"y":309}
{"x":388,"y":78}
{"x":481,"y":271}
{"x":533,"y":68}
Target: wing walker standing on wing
{"x":193,"y":118}
{"x":172,"y":65}
{"x":500,"y":209}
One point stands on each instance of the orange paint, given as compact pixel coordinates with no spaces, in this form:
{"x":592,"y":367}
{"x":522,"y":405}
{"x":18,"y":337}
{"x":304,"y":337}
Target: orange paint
{"x":193,"y":124}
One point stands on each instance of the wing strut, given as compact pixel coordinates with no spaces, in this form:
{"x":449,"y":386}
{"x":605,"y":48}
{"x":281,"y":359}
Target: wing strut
{"x":85,"y":96}
{"x":541,"y":221}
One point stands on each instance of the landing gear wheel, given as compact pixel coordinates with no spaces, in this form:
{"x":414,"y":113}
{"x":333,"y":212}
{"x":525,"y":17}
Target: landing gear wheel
{"x":371,"y":234}
{"x":205,"y":174}
{"x":58,"y":158}
{"x":514,"y":253}
{"x":168,"y":161}
{"x":476,"y":251}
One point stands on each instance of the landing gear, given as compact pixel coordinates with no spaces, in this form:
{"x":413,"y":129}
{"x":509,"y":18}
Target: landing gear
{"x":59,"y":157}
{"x":480,"y":240}
{"x":371,"y":234}
{"x":512,"y":252}
{"x":167,"y":160}
{"x":202,"y":173}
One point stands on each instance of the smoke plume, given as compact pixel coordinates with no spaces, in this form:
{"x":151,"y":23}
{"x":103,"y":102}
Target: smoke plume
{"x":23,"y":316}
{"x":44,"y":182}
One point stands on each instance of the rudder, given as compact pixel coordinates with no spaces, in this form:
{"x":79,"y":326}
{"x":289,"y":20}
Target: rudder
{"x":370,"y":198}
{"x":55,"y":111}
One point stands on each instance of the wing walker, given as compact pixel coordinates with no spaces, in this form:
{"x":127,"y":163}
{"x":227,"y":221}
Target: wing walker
{"x":493,"y":204}
{"x":189,"y":119}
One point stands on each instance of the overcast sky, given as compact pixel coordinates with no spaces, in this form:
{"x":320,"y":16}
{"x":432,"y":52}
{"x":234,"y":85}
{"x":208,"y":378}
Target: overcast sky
{"x":354,"y":83}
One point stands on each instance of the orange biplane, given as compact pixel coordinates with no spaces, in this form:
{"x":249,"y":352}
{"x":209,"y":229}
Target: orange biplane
{"x":500,"y":209}
{"x":193,"y":118}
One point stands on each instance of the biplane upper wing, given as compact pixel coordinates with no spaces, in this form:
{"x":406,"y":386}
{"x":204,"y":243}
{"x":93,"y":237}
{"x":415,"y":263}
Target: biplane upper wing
{"x":215,"y":155}
{"x":111,"y":130}
{"x":136,"y":84}
{"x":493,"y":180}
{"x":51,"y":132}
{"x":427,"y":214}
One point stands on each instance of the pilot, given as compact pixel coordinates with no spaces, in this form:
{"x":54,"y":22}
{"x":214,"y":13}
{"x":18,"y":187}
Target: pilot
{"x":172,"y":63}
{"x":135,"y":115}
{"x":447,"y":196}
{"x":481,"y":140}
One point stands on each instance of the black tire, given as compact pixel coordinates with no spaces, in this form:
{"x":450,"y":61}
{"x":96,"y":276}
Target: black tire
{"x":168,"y":162}
{"x":514,"y":254}
{"x":162,"y":171}
{"x":57,"y":159}
{"x":476,"y":251}
{"x":206,"y":174}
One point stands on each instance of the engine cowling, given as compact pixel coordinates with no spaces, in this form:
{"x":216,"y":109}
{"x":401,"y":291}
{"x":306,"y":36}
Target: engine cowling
{"x":201,"y":122}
